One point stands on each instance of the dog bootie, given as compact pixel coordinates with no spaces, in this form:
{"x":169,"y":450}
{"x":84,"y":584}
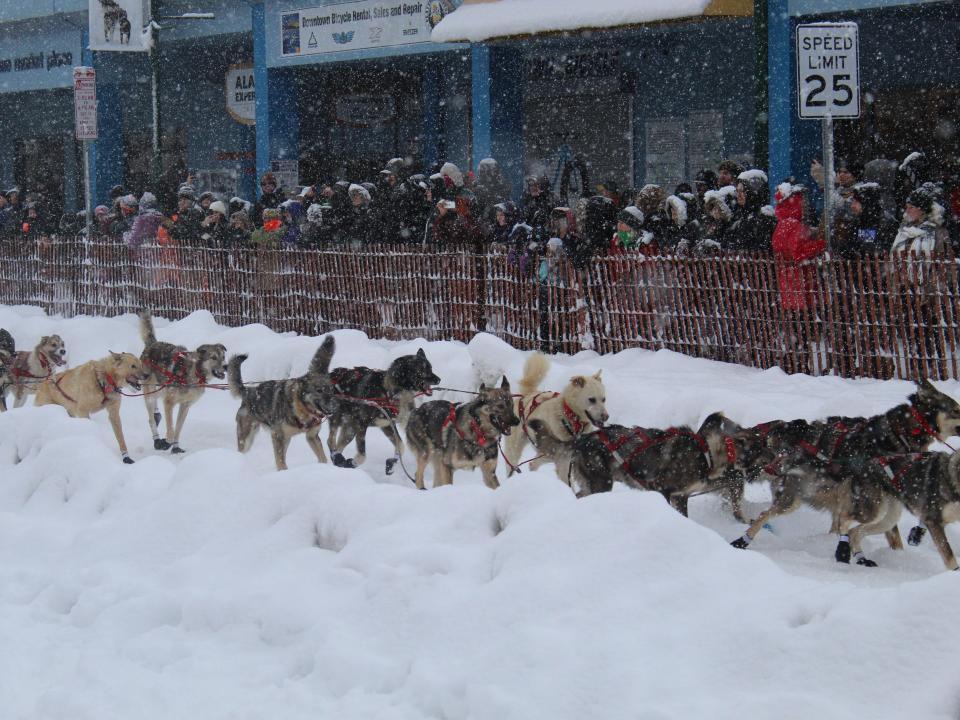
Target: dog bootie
{"x":741,"y":543}
{"x":391,"y":464}
{"x":160,"y":444}
{"x":843,"y":551}
{"x":915,"y":537}
{"x":127,"y":460}
{"x":176,"y":449}
{"x":340,"y":461}
{"x":866,"y":562}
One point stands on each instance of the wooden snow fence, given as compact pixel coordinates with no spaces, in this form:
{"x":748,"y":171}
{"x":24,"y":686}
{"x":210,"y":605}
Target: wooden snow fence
{"x":871,"y":317}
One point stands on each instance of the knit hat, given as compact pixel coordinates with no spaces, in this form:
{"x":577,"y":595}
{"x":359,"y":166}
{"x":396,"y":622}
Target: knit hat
{"x":632,"y":217}
{"x":186,"y":191}
{"x":129,"y":201}
{"x":217,"y":206}
{"x":921,"y":199}
{"x":271,"y":214}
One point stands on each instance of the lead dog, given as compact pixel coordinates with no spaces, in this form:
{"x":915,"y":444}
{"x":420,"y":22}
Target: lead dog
{"x":176,"y":376}
{"x":466,"y":436}
{"x":676,"y":462}
{"x":377,"y":398}
{"x":285,"y":407}
{"x":95,"y":386}
{"x":560,"y":417}
{"x":816,"y":463}
{"x":31,"y":368}
{"x":927,"y":484}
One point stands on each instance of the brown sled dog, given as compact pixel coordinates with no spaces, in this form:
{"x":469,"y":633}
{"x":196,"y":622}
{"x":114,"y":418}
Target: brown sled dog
{"x":94,"y":386}
{"x":285,"y":407}
{"x":178,"y":377}
{"x":464,"y":436}
{"x":31,"y":368}
{"x":560,"y":417}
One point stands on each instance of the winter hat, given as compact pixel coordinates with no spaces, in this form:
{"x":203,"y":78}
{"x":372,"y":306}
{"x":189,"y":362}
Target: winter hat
{"x":451,"y":171}
{"x":679,"y":205}
{"x":186,"y":191}
{"x":723,"y":198}
{"x":922,"y":199}
{"x":148,"y":201}
{"x":101,"y":210}
{"x":706,"y":177}
{"x":866,"y":192}
{"x":129,"y":201}
{"x":650,"y":199}
{"x":787,"y":189}
{"x":11,"y":191}
{"x":315,"y":214}
{"x":241,"y":217}
{"x":117,"y":191}
{"x":360,"y":190}
{"x":217,"y":206}
{"x":632,"y":217}
{"x":206,"y":194}
{"x":916,"y":167}
{"x":271,"y":214}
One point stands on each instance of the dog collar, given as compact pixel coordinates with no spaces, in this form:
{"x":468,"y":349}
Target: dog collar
{"x":731,"y":451}
{"x":922,"y":422}
{"x":574,"y":424}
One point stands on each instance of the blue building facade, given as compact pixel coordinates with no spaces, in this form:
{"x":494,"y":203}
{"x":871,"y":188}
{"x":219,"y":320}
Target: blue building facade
{"x":645,"y":103}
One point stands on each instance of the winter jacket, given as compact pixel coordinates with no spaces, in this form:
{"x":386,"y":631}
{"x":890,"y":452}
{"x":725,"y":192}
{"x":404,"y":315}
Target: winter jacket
{"x":794,"y":247}
{"x":267,"y":200}
{"x":186,"y":229}
{"x":147,"y":223}
{"x":870,"y":233}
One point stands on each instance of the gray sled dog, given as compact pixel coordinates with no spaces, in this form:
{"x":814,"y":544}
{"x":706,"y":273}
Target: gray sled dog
{"x":177,"y":376}
{"x":466,"y":436}
{"x":551,"y":421}
{"x":376,"y":398}
{"x":31,"y":368}
{"x":285,"y":407}
{"x":927,"y":484}
{"x":7,"y":351}
{"x":676,"y":462}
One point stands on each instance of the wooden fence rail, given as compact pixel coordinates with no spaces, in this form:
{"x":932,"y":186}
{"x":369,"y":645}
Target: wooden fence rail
{"x":872,"y":317}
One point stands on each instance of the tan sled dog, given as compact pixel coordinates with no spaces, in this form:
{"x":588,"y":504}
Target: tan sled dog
{"x":551,"y":421}
{"x":31,"y":368}
{"x":95,"y":386}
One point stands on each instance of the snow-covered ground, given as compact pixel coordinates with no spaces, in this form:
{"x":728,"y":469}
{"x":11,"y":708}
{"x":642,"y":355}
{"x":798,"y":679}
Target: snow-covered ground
{"x":209,"y":586}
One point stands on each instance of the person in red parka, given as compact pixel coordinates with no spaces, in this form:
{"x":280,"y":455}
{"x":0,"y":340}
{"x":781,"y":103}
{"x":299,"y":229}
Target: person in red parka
{"x":795,"y":245}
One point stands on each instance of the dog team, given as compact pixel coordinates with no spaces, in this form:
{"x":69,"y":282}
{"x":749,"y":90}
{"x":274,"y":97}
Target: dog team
{"x":863,"y":470}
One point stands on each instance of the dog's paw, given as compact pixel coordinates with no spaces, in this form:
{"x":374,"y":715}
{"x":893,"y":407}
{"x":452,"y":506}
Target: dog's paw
{"x":915,"y":537}
{"x":842,"y":553}
{"x":866,"y":562}
{"x":177,"y":450}
{"x":390,"y":466}
{"x":161,"y":444}
{"x":341,"y":462}
{"x":740,"y":543}
{"x":127,"y":460}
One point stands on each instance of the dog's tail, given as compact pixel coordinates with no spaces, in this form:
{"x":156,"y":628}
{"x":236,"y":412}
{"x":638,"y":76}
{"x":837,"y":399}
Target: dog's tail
{"x":234,"y":380}
{"x":534,"y":371}
{"x":320,"y":365}
{"x":147,"y":334}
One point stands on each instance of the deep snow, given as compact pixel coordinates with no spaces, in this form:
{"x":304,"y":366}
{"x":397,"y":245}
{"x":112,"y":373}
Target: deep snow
{"x":210,"y":586}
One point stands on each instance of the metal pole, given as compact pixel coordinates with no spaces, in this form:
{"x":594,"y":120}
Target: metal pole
{"x":86,"y":189}
{"x":827,"y":179}
{"x":155,"y":107}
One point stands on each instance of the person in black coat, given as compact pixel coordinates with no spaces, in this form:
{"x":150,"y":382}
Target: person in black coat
{"x":271,"y":197}
{"x":186,"y":228}
{"x":869,"y":230}
{"x":752,"y":227}
{"x":538,"y":202}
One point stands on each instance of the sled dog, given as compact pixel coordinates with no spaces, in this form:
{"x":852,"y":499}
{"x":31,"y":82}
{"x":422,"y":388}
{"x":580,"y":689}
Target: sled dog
{"x":95,"y":386}
{"x":377,"y":398}
{"x":177,"y":377}
{"x":31,"y":368}
{"x":285,"y":407}
{"x":465,"y":436}
{"x":560,"y":417}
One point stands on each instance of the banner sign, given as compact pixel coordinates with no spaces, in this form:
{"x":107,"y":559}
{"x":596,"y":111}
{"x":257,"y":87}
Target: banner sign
{"x":32,"y":60}
{"x":117,"y":25}
{"x":357,"y":25}
{"x":828,"y":70}
{"x":287,"y":173}
{"x":85,"y":102}
{"x":241,"y":94}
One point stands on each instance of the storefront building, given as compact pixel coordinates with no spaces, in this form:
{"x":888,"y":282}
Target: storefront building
{"x":316,"y":90}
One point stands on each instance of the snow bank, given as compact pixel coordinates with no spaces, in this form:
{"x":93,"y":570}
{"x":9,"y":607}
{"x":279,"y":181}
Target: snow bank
{"x":211,"y":586}
{"x":484,"y":20}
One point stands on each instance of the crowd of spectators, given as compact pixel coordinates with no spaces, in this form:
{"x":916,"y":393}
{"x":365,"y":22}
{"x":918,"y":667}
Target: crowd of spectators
{"x":881,"y":208}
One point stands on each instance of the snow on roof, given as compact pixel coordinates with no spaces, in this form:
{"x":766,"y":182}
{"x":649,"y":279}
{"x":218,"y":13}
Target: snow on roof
{"x":477,"y":21}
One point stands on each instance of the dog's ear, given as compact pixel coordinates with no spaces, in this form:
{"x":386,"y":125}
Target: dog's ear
{"x":421,"y":354}
{"x":713,"y":423}
{"x":925,"y":387}
{"x":597,"y":376}
{"x":44,"y":339}
{"x":505,"y":384}
{"x":578,"y":381}
{"x":482,"y":389}
{"x":222,"y":347}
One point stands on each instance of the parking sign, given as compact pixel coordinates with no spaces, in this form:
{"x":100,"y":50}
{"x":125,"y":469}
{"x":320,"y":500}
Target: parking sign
{"x":828,"y":70}
{"x":85,"y":102}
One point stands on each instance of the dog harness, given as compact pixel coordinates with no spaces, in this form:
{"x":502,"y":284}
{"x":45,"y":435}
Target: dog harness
{"x":339,"y":376}
{"x":571,"y":422}
{"x":924,"y":426}
{"x":44,"y":363}
{"x":176,"y":377}
{"x":647,"y":442}
{"x":451,"y":419}
{"x":896,"y":477}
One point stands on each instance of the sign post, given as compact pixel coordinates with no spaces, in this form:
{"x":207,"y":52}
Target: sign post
{"x":828,"y":87}
{"x":85,"y":116}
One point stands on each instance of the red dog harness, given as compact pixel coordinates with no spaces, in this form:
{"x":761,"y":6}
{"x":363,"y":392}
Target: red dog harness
{"x":896,"y":477}
{"x":44,"y":363}
{"x":648,"y":442}
{"x":572,"y":422}
{"x":451,"y":419}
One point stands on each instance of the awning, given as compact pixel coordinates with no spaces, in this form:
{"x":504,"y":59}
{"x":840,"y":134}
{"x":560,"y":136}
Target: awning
{"x":478,"y":20}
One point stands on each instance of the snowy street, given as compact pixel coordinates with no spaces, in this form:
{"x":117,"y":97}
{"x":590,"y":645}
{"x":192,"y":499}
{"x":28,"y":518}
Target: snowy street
{"x":208,"y":585}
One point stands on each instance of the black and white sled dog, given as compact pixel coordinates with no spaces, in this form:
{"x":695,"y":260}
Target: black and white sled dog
{"x":285,"y":407}
{"x":178,"y":377}
{"x":376,"y":398}
{"x":466,"y":436}
{"x":676,"y":462}
{"x":7,"y":350}
{"x":927,"y":484}
{"x":816,"y":463}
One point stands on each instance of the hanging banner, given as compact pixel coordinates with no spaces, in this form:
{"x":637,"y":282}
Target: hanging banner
{"x":118,"y":25}
{"x":241,"y":94}
{"x":357,"y":25}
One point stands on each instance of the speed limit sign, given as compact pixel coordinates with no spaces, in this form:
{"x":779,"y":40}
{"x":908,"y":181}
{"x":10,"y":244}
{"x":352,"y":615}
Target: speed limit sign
{"x":828,"y":70}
